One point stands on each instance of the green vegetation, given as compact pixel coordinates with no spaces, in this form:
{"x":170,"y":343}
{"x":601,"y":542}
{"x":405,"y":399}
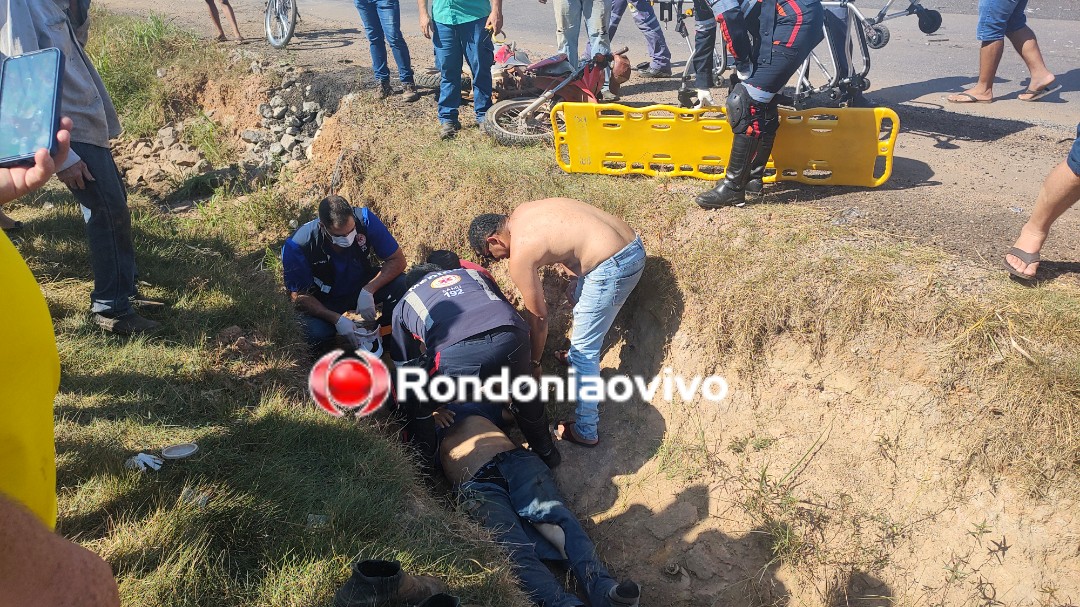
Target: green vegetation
{"x":240,"y":523}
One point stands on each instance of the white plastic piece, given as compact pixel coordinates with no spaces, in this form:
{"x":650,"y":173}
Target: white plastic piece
{"x":179,"y":451}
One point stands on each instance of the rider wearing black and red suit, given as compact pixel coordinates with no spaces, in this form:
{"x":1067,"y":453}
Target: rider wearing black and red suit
{"x":769,"y":40}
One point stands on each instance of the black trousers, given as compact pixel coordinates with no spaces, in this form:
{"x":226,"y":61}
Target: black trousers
{"x":484,"y":356}
{"x":797,"y":29}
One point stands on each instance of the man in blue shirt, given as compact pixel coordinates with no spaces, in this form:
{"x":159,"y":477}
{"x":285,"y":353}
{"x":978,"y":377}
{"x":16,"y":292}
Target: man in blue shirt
{"x":469,"y":330}
{"x":329,"y":271}
{"x":462,"y":29}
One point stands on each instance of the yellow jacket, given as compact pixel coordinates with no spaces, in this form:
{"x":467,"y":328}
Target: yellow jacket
{"x":29,"y":377}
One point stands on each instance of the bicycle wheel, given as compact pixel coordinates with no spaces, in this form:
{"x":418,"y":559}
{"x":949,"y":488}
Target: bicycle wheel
{"x":509,"y":126}
{"x":281,"y":18}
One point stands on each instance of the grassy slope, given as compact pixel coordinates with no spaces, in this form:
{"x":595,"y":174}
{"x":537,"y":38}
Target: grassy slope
{"x":229,"y":526}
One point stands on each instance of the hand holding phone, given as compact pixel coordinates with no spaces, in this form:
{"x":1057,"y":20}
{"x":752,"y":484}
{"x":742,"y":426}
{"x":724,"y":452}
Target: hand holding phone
{"x":19,"y":181}
{"x":30,"y":93}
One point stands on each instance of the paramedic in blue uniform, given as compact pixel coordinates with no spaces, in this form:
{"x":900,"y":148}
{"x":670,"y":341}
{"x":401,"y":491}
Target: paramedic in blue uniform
{"x":468,"y":328}
{"x":329,"y":270}
{"x":769,"y":40}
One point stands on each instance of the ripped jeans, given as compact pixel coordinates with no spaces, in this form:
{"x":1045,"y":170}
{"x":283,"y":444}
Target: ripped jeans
{"x":507,"y":495}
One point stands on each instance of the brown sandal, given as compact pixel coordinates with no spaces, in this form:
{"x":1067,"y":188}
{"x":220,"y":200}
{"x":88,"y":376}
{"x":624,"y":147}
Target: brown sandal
{"x":564,"y":430}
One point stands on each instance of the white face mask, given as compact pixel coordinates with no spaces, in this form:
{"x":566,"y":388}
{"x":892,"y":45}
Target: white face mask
{"x":343,"y":241}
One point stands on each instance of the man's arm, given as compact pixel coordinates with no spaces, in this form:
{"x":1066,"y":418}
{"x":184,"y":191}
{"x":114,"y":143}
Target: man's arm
{"x":495,"y":19}
{"x":525,"y":277}
{"x":425,"y":18}
{"x":392,"y":267}
{"x":313,"y":307}
{"x":41,"y":569}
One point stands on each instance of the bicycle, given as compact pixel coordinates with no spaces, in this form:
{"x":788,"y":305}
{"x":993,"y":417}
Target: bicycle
{"x":281,"y":19}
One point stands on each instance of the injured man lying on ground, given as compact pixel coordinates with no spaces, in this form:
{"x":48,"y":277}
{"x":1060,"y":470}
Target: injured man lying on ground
{"x":510,"y":491}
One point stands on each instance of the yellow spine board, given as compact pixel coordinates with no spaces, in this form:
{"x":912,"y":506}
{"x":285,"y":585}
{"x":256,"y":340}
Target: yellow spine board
{"x":823,"y":146}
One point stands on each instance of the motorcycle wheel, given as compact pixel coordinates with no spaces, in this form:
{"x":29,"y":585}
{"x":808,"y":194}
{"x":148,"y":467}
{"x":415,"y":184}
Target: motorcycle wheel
{"x":508,"y":126}
{"x":280,"y":22}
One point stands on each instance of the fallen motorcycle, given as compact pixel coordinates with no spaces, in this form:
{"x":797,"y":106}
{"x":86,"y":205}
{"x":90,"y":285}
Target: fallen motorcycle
{"x":527,"y":93}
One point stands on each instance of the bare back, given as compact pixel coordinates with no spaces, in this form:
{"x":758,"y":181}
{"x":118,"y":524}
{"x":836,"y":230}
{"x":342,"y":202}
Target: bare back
{"x":561,"y":230}
{"x":468,"y":445}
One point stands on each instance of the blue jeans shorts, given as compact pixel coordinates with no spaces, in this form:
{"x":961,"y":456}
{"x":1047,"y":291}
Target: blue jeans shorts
{"x":1000,"y":17}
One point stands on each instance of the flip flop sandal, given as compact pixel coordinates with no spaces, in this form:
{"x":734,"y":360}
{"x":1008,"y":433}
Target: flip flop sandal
{"x":967,"y":98}
{"x":564,"y":430}
{"x":1024,"y":256}
{"x":1040,"y":93}
{"x":562,"y":357}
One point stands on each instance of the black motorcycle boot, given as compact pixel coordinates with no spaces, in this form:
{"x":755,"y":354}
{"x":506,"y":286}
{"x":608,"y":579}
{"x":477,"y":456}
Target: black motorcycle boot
{"x":755,"y":187}
{"x":383,"y":583}
{"x":537,"y":432}
{"x":732,"y":190}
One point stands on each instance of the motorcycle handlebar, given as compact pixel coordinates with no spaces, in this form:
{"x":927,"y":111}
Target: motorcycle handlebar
{"x":601,"y":59}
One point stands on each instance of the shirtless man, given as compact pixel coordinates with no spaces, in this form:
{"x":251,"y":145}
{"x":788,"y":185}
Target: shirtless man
{"x":511,"y":492}
{"x":605,"y":255}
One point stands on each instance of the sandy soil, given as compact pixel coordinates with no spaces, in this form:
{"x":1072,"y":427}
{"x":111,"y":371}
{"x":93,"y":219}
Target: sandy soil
{"x":849,"y":445}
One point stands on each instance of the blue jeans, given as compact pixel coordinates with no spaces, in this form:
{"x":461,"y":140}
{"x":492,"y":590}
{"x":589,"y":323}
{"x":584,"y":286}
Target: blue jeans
{"x":645,"y":18}
{"x":568,"y":17}
{"x":600,"y":295}
{"x":998,"y":18}
{"x":453,"y":43}
{"x":520,"y":493}
{"x":1074,"y":154}
{"x":382,"y":20}
{"x":108,"y":232}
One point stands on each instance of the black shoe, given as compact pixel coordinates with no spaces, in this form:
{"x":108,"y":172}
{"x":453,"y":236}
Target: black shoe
{"x":651,"y":72}
{"x":385,"y":90}
{"x":410,"y":95}
{"x":128,"y":324}
{"x":378,"y":583}
{"x":449,"y":130}
{"x":15,"y":227}
{"x":626,"y":594}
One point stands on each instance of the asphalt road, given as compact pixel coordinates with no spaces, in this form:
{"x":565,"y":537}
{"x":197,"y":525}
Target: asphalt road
{"x":913,"y":68}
